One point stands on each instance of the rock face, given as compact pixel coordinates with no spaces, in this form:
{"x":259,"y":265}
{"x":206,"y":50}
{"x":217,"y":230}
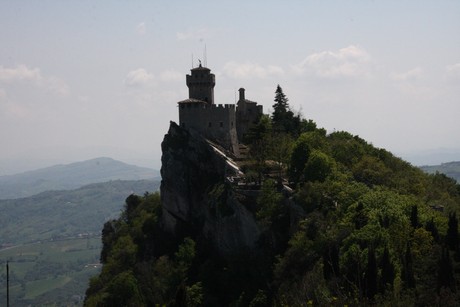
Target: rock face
{"x":195,"y":196}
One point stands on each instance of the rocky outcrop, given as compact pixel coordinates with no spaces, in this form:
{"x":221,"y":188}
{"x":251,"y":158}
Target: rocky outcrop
{"x":195,"y":196}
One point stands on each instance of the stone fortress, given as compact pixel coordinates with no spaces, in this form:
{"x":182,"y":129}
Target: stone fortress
{"x":224,"y":124}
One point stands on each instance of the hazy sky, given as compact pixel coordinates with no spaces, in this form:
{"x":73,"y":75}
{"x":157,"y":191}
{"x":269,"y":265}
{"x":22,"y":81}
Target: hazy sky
{"x":82,"y":79}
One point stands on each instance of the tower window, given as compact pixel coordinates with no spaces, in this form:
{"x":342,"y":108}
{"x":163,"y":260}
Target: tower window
{"x":221,"y":124}
{"x":209,"y":124}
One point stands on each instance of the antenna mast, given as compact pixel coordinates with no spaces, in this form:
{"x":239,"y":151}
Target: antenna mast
{"x":7,"y":284}
{"x":205,"y":57}
{"x":192,"y":60}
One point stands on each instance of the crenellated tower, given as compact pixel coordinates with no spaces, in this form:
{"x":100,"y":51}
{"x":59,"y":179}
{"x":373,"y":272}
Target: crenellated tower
{"x":201,"y":84}
{"x":216,"y":122}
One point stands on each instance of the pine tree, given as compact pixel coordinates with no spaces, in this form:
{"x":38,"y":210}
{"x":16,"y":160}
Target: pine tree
{"x":280,"y":109}
{"x":282,"y":117}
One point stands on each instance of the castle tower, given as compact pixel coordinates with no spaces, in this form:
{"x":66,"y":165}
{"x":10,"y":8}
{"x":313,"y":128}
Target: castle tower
{"x":199,"y":113}
{"x":248,"y":113}
{"x":201,"y":84}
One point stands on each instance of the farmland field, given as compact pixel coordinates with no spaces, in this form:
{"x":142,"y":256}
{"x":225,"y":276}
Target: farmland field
{"x":43,"y":273}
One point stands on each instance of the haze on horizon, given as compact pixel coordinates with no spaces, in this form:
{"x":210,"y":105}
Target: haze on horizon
{"x":84,"y":79}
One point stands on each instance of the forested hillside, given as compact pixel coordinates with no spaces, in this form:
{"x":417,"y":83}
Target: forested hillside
{"x":60,"y":214}
{"x":341,"y":223}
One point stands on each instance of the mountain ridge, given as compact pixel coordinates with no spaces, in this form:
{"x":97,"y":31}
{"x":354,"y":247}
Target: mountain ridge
{"x":450,"y":169}
{"x":71,"y":176}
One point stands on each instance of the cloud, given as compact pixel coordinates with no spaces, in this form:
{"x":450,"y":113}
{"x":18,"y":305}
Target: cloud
{"x":453,"y":70}
{"x":56,"y":86}
{"x":171,"y":75}
{"x":351,"y":61}
{"x":141,"y":28}
{"x":22,"y":73}
{"x":250,"y":70}
{"x":411,"y":75}
{"x":195,"y":33}
{"x":138,"y":77}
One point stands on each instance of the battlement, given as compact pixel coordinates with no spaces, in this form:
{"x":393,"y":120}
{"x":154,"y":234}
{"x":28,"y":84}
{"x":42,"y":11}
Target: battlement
{"x":223,"y":106}
{"x":201,"y":84}
{"x":216,"y":122}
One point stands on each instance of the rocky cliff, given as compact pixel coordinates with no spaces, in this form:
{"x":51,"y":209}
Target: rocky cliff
{"x":196,"y":196}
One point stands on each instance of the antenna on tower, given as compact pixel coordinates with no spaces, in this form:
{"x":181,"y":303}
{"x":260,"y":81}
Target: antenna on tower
{"x":7,"y":284}
{"x":205,"y":57}
{"x":192,"y":60}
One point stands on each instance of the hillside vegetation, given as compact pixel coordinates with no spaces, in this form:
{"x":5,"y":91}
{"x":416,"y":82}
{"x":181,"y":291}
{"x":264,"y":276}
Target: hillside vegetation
{"x":360,"y":227}
{"x":71,"y":176}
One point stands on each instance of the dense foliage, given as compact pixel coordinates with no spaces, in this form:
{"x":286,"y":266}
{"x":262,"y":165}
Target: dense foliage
{"x":360,"y":227}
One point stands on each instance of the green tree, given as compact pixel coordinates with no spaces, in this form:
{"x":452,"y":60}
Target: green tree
{"x":259,"y":130}
{"x":259,"y":140}
{"x":301,"y":151}
{"x":283,"y":118}
{"x":269,"y":202}
{"x":281,"y":151}
{"x":318,"y":167}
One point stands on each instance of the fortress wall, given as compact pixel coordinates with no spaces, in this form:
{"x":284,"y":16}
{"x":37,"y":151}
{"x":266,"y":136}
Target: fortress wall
{"x":215,"y":122}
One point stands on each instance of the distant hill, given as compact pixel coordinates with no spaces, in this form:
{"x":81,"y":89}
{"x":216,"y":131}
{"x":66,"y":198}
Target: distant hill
{"x":451,"y":169}
{"x":71,"y":176}
{"x":61,"y":214}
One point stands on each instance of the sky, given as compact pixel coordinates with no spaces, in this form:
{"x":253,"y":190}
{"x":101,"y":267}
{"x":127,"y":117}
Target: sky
{"x":84,"y":79}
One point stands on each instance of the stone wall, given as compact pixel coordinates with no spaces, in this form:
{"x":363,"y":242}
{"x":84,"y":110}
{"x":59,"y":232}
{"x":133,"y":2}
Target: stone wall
{"x":215,"y":122}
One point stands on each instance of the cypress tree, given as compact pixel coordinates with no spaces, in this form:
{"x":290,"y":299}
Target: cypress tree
{"x":371,"y":274}
{"x":331,"y":261}
{"x":452,"y":232}
{"x":446,"y":277}
{"x":408,"y":270}
{"x":388,"y":270}
{"x":431,"y":227}
{"x":414,"y":217}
